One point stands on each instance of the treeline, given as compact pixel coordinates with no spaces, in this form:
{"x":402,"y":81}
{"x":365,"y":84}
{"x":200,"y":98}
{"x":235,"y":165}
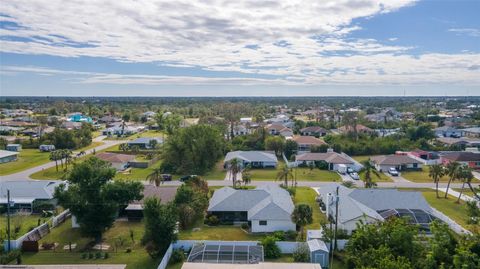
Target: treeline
{"x":62,"y":138}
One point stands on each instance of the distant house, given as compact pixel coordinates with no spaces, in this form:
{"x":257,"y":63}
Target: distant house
{"x":267,"y":208}
{"x":359,"y":127}
{"x":472,"y":132}
{"x":134,"y":210}
{"x":240,"y":130}
{"x":279,"y":129}
{"x":333,"y":160}
{"x":399,"y":162}
{"x":119,"y":130}
{"x":374,"y":205}
{"x":316,"y":131}
{"x":469,"y":159}
{"x":78,"y":117}
{"x":8,"y":156}
{"x":254,"y":159}
{"x":118,"y":161}
{"x":109,"y":119}
{"x":144,"y":142}
{"x":14,"y":147}
{"x":46,"y":148}
{"x":462,"y":141}
{"x":423,"y":154}
{"x":306,"y":143}
{"x":447,"y":131}
{"x":71,"y":125}
{"x":24,"y":193}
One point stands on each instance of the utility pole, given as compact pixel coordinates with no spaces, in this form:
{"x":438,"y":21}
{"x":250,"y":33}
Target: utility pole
{"x":336,"y":218}
{"x":8,"y":220}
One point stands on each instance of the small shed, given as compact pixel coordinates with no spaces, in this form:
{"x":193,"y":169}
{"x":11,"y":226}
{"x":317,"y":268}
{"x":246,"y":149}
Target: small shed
{"x":318,"y":252}
{"x":14,"y":147}
{"x":46,"y":148}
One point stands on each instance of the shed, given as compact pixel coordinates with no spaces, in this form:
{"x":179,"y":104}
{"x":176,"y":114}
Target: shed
{"x":8,"y":156}
{"x":14,"y":147}
{"x":318,"y":252}
{"x":46,"y":148}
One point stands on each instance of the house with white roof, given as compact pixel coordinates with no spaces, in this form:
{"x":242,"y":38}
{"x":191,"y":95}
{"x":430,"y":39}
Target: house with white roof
{"x":254,"y":159}
{"x":24,"y":193}
{"x":267,"y":208}
{"x":8,"y":156}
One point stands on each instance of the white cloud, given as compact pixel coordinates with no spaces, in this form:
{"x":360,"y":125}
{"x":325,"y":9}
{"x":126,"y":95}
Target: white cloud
{"x":299,"y":41}
{"x":466,"y":31}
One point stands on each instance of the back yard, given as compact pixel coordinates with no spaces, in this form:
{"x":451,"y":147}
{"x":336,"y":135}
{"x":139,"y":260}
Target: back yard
{"x":27,"y":158}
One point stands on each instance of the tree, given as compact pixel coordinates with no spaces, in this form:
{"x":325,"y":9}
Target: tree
{"x":234,"y":167}
{"x":369,"y":169}
{"x":441,"y":246}
{"x":193,"y":150}
{"x":301,"y":216}
{"x":93,"y":198}
{"x":290,"y":148}
{"x":270,"y":247}
{"x":172,"y":123}
{"x":436,"y":172}
{"x":275,"y":143}
{"x":453,"y":169}
{"x":54,"y":157}
{"x":155,"y":177}
{"x":466,"y":176}
{"x":284,"y":174}
{"x":246,"y":175}
{"x":473,"y":212}
{"x":350,"y":120}
{"x":191,"y":201}
{"x":301,"y":253}
{"x":123,"y":147}
{"x":160,"y":226}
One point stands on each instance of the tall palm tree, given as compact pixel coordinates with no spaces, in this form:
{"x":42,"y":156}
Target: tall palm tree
{"x":369,"y":169}
{"x":54,"y":157}
{"x":301,"y":216}
{"x":452,"y":172}
{"x":155,"y":177}
{"x":246,"y":175}
{"x":68,"y":157}
{"x":285,"y":173}
{"x":234,"y":167}
{"x":466,"y":176}
{"x":436,"y":172}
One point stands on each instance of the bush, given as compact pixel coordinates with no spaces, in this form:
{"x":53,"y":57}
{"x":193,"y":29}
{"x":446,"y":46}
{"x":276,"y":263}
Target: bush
{"x":290,"y":235}
{"x":270,"y":247}
{"x":106,"y":255}
{"x":212,"y":220}
{"x":9,"y":257}
{"x":280,"y":235}
{"x":128,"y":250}
{"x":301,"y":253}
{"x":84,"y":255}
{"x":245,"y":226}
{"x":177,"y":256}
{"x":98,"y":255}
{"x":90,"y":255}
{"x":291,"y":191}
{"x":48,"y":246}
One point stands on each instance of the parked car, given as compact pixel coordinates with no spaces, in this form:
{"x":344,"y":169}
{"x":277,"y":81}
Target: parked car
{"x":392,"y":171}
{"x":342,"y":169}
{"x":350,"y":170}
{"x":167,"y":177}
{"x":354,"y":176}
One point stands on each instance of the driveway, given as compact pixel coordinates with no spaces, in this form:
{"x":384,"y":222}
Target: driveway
{"x":398,"y":179}
{"x":25,"y":174}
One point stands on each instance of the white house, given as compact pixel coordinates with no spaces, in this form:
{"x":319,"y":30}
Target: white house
{"x":398,"y":161}
{"x":8,"y":156}
{"x":447,"y":131}
{"x":267,"y":208}
{"x":255,"y":159}
{"x":333,"y":160}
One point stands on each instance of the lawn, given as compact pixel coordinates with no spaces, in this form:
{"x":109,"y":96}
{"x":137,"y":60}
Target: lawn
{"x":50,"y":173}
{"x":421,"y":176}
{"x":20,"y":223}
{"x":91,"y":146}
{"x":361,"y":158}
{"x":306,"y":195}
{"x":221,"y":232}
{"x":265,"y":174}
{"x":138,"y":173}
{"x":305,"y":174}
{"x":27,"y":158}
{"x":149,"y":133}
{"x":217,"y":173}
{"x":382,"y":178}
{"x":120,"y":232}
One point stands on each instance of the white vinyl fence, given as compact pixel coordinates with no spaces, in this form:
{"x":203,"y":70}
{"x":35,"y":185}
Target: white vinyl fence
{"x":164,"y":263}
{"x":451,"y":223}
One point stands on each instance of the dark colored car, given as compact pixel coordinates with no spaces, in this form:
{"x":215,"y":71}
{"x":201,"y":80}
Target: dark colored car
{"x":167,"y":177}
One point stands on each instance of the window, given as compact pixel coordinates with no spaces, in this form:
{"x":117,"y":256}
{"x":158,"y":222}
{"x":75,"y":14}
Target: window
{"x":263,"y":223}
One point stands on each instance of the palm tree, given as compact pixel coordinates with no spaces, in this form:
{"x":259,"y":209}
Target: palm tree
{"x":123,"y":147}
{"x":68,"y":157}
{"x":369,"y":169}
{"x":54,"y":157}
{"x":452,"y":171}
{"x":285,"y":173}
{"x":246,"y":175}
{"x":436,"y":172}
{"x":234,"y":167}
{"x":464,"y":174}
{"x":301,"y":216}
{"x":155,"y":177}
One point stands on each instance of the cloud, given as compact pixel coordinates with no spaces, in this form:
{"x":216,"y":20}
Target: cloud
{"x":466,"y":31}
{"x":290,"y":42}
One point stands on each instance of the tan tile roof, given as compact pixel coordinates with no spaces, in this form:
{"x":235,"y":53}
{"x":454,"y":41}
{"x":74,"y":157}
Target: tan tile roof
{"x":329,"y":157}
{"x":393,"y":160}
{"x":309,"y":140}
{"x":115,"y":157}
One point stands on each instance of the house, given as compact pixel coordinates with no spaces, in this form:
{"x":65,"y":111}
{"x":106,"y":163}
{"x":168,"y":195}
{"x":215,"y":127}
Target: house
{"x":447,"y":131}
{"x":246,"y":120}
{"x":373,"y":205}
{"x":119,"y":130}
{"x":14,"y":147}
{"x":240,"y":130}
{"x":109,"y":119}
{"x":398,"y":161}
{"x":267,"y":208}
{"x":362,"y":129}
{"x":145,"y":142}
{"x":472,"y":132}
{"x":118,"y":161}
{"x":134,"y":210}
{"x":306,"y":143}
{"x":46,"y":148}
{"x":316,"y":131}
{"x":469,"y":159}
{"x":279,"y":129}
{"x":72,"y":125}
{"x":462,"y":141}
{"x":423,"y":154}
{"x":25,"y":193}
{"x":254,"y":159}
{"x":8,"y":156}
{"x":333,"y":160}
{"x":78,"y":117}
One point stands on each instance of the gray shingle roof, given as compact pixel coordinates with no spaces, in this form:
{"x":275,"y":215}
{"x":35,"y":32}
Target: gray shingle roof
{"x":265,"y":202}
{"x":329,"y":157}
{"x":393,"y":160}
{"x":145,"y":140}
{"x":251,"y":156}
{"x":25,"y":190}
{"x":6,"y":153}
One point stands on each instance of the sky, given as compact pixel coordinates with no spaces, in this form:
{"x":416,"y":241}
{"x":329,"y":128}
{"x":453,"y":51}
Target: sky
{"x":239,"y":48}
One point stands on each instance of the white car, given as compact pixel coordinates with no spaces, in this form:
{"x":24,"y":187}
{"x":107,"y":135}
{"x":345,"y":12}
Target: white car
{"x":392,"y":171}
{"x":354,"y":176}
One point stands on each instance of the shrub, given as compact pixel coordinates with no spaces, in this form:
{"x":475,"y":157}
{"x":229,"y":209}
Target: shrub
{"x":301,"y":253}
{"x":290,"y":235}
{"x":48,"y":246}
{"x":9,"y":257}
{"x":84,"y":255}
{"x":90,"y":255}
{"x":98,"y":255}
{"x":280,"y":235}
{"x":128,"y":250}
{"x":106,"y":255}
{"x":245,"y":226}
{"x":270,"y":247}
{"x":177,"y":256}
{"x":212,"y":220}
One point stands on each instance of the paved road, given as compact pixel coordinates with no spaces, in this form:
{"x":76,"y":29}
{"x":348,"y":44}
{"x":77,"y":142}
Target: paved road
{"x":25,"y":174}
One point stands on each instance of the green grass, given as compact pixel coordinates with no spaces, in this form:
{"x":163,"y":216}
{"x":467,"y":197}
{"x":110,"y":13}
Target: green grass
{"x":138,"y":258}
{"x":305,"y":174}
{"x":306,"y":195}
{"x":91,"y":146}
{"x":466,"y":191}
{"x":27,"y":158}
{"x":177,"y":265}
{"x":222,"y":232}
{"x":217,"y":173}
{"x":361,"y":158}
{"x":421,"y":176}
{"x":138,"y":173}
{"x":285,"y":258}
{"x":50,"y":173}
{"x":382,"y":177}
{"x":24,"y":222}
{"x":264,"y":174}
{"x":149,"y":133}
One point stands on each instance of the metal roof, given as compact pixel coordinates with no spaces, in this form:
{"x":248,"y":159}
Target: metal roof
{"x":28,"y":190}
{"x":251,"y":156}
{"x":6,"y":153}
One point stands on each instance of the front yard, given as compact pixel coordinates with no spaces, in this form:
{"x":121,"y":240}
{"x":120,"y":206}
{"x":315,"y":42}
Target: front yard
{"x":217,"y":173}
{"x":302,"y":174}
{"x":20,"y":224}
{"x":306,"y":195}
{"x":27,"y":158}
{"x":421,"y":176}
{"x":382,"y":177}
{"x":118,"y":235}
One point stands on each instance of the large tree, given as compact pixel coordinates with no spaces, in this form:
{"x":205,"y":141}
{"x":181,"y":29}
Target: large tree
{"x":160,"y":224}
{"x":193,"y":150}
{"x":275,"y":143}
{"x":453,"y":169}
{"x":93,"y":198}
